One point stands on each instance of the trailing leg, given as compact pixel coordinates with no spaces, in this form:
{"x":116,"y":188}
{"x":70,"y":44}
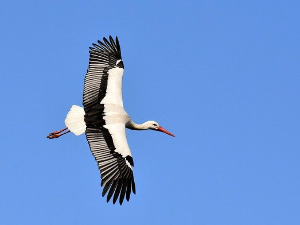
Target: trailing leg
{"x":57,"y":134}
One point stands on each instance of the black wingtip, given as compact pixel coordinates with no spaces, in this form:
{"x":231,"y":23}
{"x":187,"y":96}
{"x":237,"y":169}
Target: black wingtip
{"x":104,"y":39}
{"x":110,"y":45}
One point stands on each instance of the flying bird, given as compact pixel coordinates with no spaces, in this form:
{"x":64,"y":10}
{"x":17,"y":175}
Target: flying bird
{"x":103,"y":120}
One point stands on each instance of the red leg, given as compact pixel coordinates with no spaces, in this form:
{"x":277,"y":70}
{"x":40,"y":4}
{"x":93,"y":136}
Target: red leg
{"x":57,"y":134}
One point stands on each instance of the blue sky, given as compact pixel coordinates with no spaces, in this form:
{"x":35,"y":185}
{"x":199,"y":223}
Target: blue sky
{"x":223,"y":76}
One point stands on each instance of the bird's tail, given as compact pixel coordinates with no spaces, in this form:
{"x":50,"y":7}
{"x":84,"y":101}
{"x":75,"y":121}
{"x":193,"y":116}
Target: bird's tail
{"x":75,"y":120}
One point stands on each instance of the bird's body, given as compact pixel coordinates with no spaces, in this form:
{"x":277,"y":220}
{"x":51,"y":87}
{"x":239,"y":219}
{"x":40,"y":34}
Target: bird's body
{"x":103,"y":120}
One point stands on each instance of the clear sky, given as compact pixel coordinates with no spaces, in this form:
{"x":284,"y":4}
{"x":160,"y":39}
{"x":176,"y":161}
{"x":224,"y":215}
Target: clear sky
{"x":223,"y":76}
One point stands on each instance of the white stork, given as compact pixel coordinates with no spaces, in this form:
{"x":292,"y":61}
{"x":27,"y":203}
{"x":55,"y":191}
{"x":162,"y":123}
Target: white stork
{"x":103,"y":120}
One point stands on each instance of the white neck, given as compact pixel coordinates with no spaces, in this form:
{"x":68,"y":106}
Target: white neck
{"x":134,"y":126}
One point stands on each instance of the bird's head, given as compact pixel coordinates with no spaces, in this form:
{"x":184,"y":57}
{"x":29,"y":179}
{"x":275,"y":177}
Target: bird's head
{"x":153,"y":125}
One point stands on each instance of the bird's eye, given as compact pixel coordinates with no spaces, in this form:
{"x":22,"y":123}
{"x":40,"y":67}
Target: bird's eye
{"x":154,"y":125}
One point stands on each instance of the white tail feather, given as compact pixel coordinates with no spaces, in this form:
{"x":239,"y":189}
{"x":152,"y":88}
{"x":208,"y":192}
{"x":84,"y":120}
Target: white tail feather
{"x":75,"y":120}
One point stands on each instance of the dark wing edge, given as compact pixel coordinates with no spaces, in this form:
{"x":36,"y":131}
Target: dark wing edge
{"x":117,"y":177}
{"x":103,"y":56}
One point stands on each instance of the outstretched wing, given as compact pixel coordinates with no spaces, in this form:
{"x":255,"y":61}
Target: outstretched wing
{"x":105,"y":119}
{"x":105,"y":59}
{"x":116,"y":169}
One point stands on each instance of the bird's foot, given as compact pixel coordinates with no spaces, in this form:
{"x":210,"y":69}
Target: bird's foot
{"x":53,"y":135}
{"x":57,"y":134}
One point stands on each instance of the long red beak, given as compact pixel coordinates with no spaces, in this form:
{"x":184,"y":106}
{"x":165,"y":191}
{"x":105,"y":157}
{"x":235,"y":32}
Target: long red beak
{"x":165,"y":131}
